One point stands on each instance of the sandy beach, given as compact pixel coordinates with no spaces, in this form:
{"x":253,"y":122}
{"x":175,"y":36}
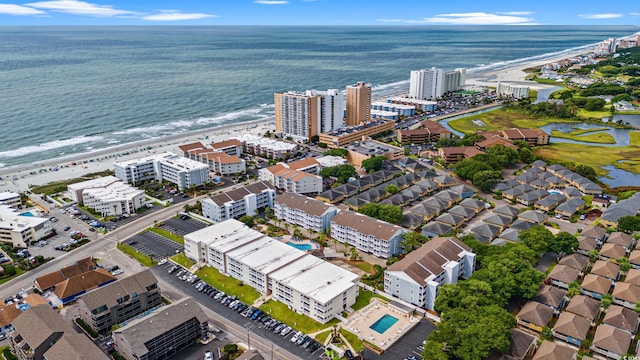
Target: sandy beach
{"x":20,"y":178}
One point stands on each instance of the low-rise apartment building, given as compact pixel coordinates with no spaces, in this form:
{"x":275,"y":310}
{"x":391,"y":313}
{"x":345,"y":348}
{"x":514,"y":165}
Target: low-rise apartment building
{"x":342,"y":137}
{"x":20,"y":231}
{"x":119,"y":301}
{"x":367,"y":234}
{"x":300,"y":176}
{"x":416,"y":278}
{"x":182,"y":172}
{"x":266,"y":147}
{"x":231,"y":147}
{"x":453,"y":154}
{"x":307,"y":284}
{"x":366,"y":148}
{"x":108,"y":196}
{"x":10,"y":199}
{"x":236,"y":203}
{"x":304,"y":211}
{"x":430,"y":131}
{"x":163,"y":333}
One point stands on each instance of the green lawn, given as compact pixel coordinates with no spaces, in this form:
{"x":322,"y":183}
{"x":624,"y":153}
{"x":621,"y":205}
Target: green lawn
{"x":142,"y":258}
{"x":364,"y":298}
{"x":601,"y":137}
{"x":300,"y":322}
{"x":500,"y":119}
{"x":352,"y":338}
{"x":168,"y":234}
{"x":229,"y":285}
{"x":9,"y":278}
{"x":594,"y":156}
{"x":321,"y":337}
{"x":183,"y":260}
{"x":55,"y":186}
{"x":362,"y":265}
{"x":634,"y":138}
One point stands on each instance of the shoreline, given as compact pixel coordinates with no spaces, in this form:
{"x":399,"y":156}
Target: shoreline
{"x":21,"y":177}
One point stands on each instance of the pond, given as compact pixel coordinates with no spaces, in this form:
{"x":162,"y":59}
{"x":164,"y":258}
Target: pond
{"x":619,"y":177}
{"x":543,"y":94}
{"x":620,"y":135}
{"x":633,"y":120}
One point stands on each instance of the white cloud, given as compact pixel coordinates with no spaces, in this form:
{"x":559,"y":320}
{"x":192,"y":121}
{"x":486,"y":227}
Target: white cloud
{"x":516,"y":13}
{"x":11,"y":9}
{"x":600,"y":16}
{"x":80,"y":8}
{"x":634,"y":14}
{"x":271,"y":2}
{"x":473,"y":18}
{"x":176,"y":15}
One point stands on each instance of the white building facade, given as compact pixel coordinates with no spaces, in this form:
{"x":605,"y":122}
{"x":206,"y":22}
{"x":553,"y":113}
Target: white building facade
{"x":236,"y":203}
{"x":308,"y":285}
{"x":304,"y":211}
{"x":417,"y":277}
{"x":367,"y":234}
{"x":115,"y":199}
{"x":20,"y":231}
{"x":426,"y":83}
{"x":266,"y":147}
{"x":516,"y":91}
{"x":182,"y":172}
{"x":10,"y":199}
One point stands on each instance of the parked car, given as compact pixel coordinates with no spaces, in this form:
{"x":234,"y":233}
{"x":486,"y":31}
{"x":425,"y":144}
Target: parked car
{"x":296,"y":336}
{"x":208,"y":355}
{"x":66,"y":228}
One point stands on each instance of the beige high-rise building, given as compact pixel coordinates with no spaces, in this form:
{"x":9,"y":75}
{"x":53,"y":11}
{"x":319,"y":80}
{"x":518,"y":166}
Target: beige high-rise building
{"x":358,"y":104}
{"x":303,"y":115}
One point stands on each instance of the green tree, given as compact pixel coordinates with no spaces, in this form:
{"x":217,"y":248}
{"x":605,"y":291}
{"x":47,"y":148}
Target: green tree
{"x":594,"y":255}
{"x":385,"y":212}
{"x":354,"y":253}
{"x":637,"y":308}
{"x":511,"y":277}
{"x":537,"y":238}
{"x":606,"y":301}
{"x":486,"y":179}
{"x":586,"y":171}
{"x":594,"y":104}
{"x":392,"y":189}
{"x":505,"y":156}
{"x":341,"y":172}
{"x":574,"y":289}
{"x":337,"y":152}
{"x":373,"y":164}
{"x":621,"y":97}
{"x":230,"y":349}
{"x":467,"y":168}
{"x":247,"y":220}
{"x":409,"y":244}
{"x":526,"y":155}
{"x":415,"y":237}
{"x":9,"y":270}
{"x":434,"y":350}
{"x":609,"y":70}
{"x":446,"y":142}
{"x":315,"y":138}
{"x":521,"y":144}
{"x":268,"y":213}
{"x":624,"y":263}
{"x":629,"y":224}
{"x":468,"y":294}
{"x":563,"y":243}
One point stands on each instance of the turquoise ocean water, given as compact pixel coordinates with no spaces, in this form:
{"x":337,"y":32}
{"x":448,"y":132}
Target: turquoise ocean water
{"x":68,"y":90}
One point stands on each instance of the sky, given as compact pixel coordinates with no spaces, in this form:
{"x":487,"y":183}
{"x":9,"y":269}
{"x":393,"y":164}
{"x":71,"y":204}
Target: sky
{"x":319,"y":12}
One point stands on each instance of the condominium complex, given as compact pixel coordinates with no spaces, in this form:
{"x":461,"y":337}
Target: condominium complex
{"x":304,"y":211}
{"x":40,"y":333}
{"x":266,"y":147}
{"x":299,"y":176}
{"x":231,"y":147}
{"x":367,"y":234}
{"x":306,"y":284}
{"x":108,"y":196}
{"x":119,"y":301}
{"x":166,"y":166}
{"x":10,"y":199}
{"x":303,"y":115}
{"x":425,"y":105}
{"x":236,"y":203}
{"x":20,"y":231}
{"x":340,"y":138}
{"x":358,"y":104}
{"x":430,"y":131}
{"x":163,"y":332}
{"x":359,"y":151}
{"x":398,"y":109}
{"x":434,"y":82}
{"x":223,"y":158}
{"x":534,"y":137}
{"x":513,"y":90}
{"x":417,"y":277}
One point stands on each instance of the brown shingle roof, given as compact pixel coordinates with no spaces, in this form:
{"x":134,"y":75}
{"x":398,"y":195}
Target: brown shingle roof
{"x":551,"y":351}
{"x":612,"y":339}
{"x":82,"y":282}
{"x":572,"y":325}
{"x":596,"y":284}
{"x":308,"y":205}
{"x":627,"y":292}
{"x":429,"y":258}
{"x":613,"y":251}
{"x":536,"y":313}
{"x":239,"y":194}
{"x":366,"y":225}
{"x":633,"y":277}
{"x":564,"y":274}
{"x":620,"y":238}
{"x":575,"y":260}
{"x":550,"y":295}
{"x":109,"y":294}
{"x":495,"y":140}
{"x":595,"y":232}
{"x":622,"y":318}
{"x":584,"y":306}
{"x":607,"y":269}
{"x":586,"y":243}
{"x":49,"y":280}
{"x":192,"y":146}
{"x":8,"y":313}
{"x":226,"y":144}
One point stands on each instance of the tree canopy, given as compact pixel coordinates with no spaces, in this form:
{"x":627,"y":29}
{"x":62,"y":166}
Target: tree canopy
{"x":341,"y":172}
{"x":337,"y":152}
{"x":373,"y":164}
{"x":385,"y":212}
{"x":629,"y":224}
{"x":563,"y":243}
{"x":537,"y":238}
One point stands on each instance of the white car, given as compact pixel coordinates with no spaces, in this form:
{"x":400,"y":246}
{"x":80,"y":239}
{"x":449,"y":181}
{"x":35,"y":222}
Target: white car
{"x":296,"y":336}
{"x":208,"y":355}
{"x":162,"y":262}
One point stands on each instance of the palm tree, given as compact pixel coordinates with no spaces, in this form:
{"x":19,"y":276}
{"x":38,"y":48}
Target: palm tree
{"x":354,"y":253}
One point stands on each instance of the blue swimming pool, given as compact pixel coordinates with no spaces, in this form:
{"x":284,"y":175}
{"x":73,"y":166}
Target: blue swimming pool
{"x":383,"y":324}
{"x":26,"y":213}
{"x":305,"y":247}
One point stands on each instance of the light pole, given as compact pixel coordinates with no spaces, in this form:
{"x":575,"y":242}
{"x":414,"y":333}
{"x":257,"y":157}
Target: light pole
{"x":248,"y":340}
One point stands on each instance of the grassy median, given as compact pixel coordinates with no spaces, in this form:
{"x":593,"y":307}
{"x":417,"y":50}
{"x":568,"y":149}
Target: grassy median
{"x":142,"y":258}
{"x":228,"y":285}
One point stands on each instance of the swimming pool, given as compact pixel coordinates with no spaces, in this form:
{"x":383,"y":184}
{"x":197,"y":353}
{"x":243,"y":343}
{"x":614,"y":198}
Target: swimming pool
{"x":305,"y":247}
{"x":383,"y":324}
{"x":26,"y":213}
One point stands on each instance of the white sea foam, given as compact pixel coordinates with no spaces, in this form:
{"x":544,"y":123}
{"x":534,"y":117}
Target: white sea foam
{"x":2,"y":165}
{"x":32,"y":149}
{"x":230,"y":116}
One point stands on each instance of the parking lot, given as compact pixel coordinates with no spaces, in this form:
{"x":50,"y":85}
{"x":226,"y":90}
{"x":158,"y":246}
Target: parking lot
{"x":252,"y":326}
{"x":183,"y":225}
{"x":152,"y":244}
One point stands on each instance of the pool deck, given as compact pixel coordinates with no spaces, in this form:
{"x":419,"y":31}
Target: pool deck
{"x":288,"y":238}
{"x":360,"y":321}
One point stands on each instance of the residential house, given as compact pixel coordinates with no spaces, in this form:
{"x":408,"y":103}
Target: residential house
{"x":623,"y":318}
{"x":497,"y":220}
{"x":476,"y":205}
{"x":607,"y":269}
{"x":595,"y":232}
{"x":533,"y":216}
{"x":586,"y":307}
{"x":614,"y":212}
{"x":452,"y":220}
{"x":445,"y":181}
{"x":434,"y":229}
{"x":626,"y":294}
{"x":550,"y":202}
{"x":549,"y":350}
{"x":238,"y":202}
{"x":562,"y":275}
{"x":633,"y":277}
{"x":634,"y":259}
{"x":417,"y":277}
{"x":119,"y":301}
{"x":576,"y":261}
{"x":586,"y":245}
{"x":595,"y":286}
{"x":612,"y":252}
{"x":507,"y":210}
{"x":622,"y":239}
{"x":522,"y":346}
{"x":552,"y":297}
{"x":484,"y":232}
{"x":571,"y":328}
{"x":611,"y":342}
{"x":570,"y":207}
{"x":534,"y":316}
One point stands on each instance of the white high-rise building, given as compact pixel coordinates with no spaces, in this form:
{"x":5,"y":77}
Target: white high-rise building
{"x":165,"y":166}
{"x":516,"y":91}
{"x":303,"y":115}
{"x":426,"y":83}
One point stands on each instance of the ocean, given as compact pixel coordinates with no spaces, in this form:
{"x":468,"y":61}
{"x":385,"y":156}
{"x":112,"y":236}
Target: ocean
{"x":69,"y":90}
